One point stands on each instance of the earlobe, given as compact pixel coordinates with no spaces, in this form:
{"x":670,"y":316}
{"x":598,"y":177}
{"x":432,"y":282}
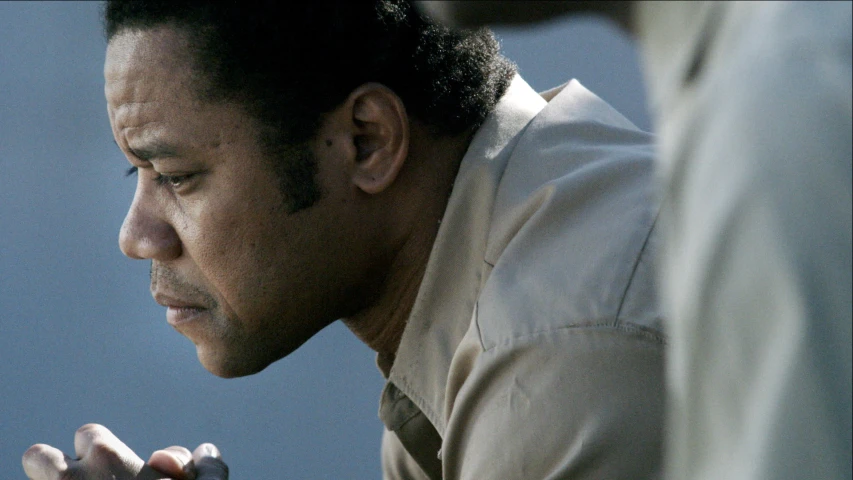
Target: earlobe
{"x":381,"y":137}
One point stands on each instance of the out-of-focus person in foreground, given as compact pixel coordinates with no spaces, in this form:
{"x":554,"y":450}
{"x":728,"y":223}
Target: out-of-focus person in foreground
{"x":752,"y":107}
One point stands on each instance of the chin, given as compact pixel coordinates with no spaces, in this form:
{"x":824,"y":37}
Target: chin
{"x":225,"y":366}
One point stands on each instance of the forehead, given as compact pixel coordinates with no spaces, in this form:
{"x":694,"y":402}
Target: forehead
{"x":151,"y":92}
{"x":147,"y":63}
{"x":159,"y":48}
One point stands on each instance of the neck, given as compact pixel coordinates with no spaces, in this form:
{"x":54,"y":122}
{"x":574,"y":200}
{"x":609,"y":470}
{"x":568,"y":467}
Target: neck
{"x":421,"y":194}
{"x":381,"y":325}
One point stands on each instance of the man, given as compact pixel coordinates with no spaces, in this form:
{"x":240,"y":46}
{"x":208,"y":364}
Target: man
{"x":354,"y":161}
{"x":753,"y":107}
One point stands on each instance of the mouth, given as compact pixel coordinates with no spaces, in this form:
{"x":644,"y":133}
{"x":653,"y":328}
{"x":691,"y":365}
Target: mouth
{"x":177,"y":316}
{"x":178,"y":311}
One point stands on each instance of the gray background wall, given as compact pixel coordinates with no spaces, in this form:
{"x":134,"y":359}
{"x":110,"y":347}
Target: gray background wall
{"x":82,"y":341}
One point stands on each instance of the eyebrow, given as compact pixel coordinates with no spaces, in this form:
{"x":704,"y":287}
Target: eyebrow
{"x":153,"y":151}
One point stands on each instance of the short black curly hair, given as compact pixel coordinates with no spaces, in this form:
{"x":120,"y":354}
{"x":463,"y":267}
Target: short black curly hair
{"x":289,"y":64}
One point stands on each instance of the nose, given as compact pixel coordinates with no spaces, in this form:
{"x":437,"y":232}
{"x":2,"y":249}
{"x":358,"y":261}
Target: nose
{"x":145,"y":233}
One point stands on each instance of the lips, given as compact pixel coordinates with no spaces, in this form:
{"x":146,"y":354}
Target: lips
{"x":180,"y":315}
{"x":179,"y":311}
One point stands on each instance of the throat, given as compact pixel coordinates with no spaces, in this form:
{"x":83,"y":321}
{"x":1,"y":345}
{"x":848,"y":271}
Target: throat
{"x":381,"y":325}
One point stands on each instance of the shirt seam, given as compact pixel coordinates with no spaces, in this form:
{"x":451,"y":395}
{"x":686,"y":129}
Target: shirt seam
{"x":642,"y":331}
{"x":634,"y":268}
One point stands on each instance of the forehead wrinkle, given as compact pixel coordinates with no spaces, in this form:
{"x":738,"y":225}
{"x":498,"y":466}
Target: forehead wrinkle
{"x":137,"y":136}
{"x":132,"y":116}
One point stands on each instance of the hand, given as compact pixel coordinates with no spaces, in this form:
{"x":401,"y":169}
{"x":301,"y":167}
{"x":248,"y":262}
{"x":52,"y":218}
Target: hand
{"x":102,"y":456}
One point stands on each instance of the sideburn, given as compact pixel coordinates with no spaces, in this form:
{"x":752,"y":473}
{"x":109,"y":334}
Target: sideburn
{"x":296,"y":168}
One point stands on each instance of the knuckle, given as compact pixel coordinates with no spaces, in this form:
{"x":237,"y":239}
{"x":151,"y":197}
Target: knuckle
{"x":183,"y":451}
{"x":41,"y":462}
{"x":36,"y":452}
{"x":95,"y":440}
{"x":91,"y":430}
{"x":102,"y":450}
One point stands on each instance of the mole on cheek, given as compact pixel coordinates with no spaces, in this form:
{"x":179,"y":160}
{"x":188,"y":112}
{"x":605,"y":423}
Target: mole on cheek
{"x":328,"y":143}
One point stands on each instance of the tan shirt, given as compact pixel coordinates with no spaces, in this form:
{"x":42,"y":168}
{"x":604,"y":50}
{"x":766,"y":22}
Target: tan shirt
{"x":534,"y":348}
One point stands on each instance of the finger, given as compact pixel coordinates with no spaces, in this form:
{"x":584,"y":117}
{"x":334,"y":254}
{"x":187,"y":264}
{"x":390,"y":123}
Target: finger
{"x":45,"y":462}
{"x":208,"y":463}
{"x":100,"y":450}
{"x":89,"y":435}
{"x":174,"y":462}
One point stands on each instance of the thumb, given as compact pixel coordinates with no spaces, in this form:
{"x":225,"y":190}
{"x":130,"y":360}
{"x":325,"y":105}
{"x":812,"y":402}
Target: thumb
{"x":173,"y":462}
{"x":209,"y":464}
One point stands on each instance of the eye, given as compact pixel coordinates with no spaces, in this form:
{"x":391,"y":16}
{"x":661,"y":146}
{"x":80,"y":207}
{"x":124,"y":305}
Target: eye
{"x":173,"y":181}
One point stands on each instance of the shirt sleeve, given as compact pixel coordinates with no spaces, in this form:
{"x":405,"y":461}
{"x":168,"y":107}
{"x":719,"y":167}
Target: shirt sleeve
{"x":574,"y":403}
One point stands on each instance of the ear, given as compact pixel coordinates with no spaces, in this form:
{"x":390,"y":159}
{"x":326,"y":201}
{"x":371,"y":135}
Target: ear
{"x":380,"y":136}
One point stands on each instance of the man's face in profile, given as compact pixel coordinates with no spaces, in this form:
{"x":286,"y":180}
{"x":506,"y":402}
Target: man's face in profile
{"x":243,"y":279}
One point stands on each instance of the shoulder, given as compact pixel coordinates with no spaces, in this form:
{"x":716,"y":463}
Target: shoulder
{"x":572,"y":241}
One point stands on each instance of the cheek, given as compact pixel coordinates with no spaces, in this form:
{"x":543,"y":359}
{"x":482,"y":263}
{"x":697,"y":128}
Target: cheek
{"x":214,"y":237}
{"x":240,"y":253}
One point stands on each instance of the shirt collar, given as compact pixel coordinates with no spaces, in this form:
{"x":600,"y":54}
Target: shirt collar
{"x":448,"y":293}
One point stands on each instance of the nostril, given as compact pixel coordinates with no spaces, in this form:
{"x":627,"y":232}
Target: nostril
{"x":145,"y":236}
{"x":127,"y":242}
